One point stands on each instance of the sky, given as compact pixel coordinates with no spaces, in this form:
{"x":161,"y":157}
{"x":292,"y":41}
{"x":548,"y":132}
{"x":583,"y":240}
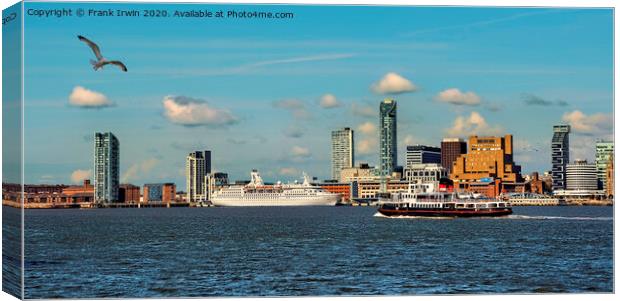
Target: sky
{"x":266,"y":93}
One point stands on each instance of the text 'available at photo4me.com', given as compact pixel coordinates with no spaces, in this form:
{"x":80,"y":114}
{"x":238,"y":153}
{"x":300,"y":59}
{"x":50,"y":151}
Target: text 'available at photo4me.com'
{"x":158,"y":13}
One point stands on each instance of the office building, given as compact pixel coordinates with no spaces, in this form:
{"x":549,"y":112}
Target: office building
{"x":581,"y":176}
{"x":388,"y":148}
{"x":363,"y":172}
{"x":425,"y":173}
{"x":609,"y":178}
{"x":106,"y":167}
{"x":604,"y":151}
{"x":128,"y":193}
{"x":488,"y":167}
{"x":197,"y":167}
{"x":342,"y":151}
{"x":559,"y":155}
{"x":451,"y":148}
{"x":159,"y":193}
{"x":422,"y":154}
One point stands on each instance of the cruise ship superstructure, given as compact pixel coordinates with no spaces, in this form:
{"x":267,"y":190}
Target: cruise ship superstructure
{"x":256,"y":193}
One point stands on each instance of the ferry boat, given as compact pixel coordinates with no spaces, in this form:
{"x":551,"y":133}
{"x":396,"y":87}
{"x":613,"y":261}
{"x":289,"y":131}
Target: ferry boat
{"x":423,"y":200}
{"x":256,"y":193}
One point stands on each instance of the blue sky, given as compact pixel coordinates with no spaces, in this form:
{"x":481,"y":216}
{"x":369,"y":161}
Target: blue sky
{"x":250,"y":90}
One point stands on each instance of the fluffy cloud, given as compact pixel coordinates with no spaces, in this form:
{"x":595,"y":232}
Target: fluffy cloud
{"x":393,"y":83}
{"x":84,"y":98}
{"x":456,"y":97}
{"x":367,"y":128}
{"x":475,"y":124}
{"x":367,"y":146}
{"x":194,"y":112}
{"x":137,"y":169}
{"x":79,"y":175}
{"x":364,"y":110}
{"x":329,"y":101}
{"x":595,"y":124}
{"x":288,"y":171}
{"x":300,"y":152}
{"x":295,"y":106}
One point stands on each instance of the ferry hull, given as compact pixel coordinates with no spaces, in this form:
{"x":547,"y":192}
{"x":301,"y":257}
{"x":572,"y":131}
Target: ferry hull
{"x":446,"y":212}
{"x":230,"y":202}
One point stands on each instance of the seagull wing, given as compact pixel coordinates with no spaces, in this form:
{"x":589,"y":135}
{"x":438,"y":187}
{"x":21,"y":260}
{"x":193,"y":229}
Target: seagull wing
{"x":117,"y":63}
{"x":92,"y":46}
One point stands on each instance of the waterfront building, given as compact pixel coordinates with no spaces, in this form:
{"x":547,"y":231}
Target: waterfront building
{"x":425,"y":173}
{"x":609,"y":177}
{"x":197,"y":167}
{"x":128,"y":193}
{"x":343,"y":155}
{"x":363,"y":172}
{"x":215,"y":181}
{"x":604,"y":151}
{"x":159,"y":193}
{"x":581,"y":176}
{"x":370,"y":189}
{"x":344,"y":189}
{"x":106,"y":169}
{"x":422,"y":154}
{"x":84,"y":193}
{"x":488,"y":166}
{"x":559,"y":155}
{"x":451,"y":148}
{"x":388,"y":147}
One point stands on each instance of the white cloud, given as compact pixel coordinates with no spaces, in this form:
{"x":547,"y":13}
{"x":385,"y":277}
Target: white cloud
{"x":595,"y":124}
{"x":475,"y":124}
{"x":288,"y":171}
{"x":367,"y":128}
{"x":367,"y":146}
{"x":364,"y":110}
{"x":393,"y":83}
{"x":136,"y":170}
{"x":300,"y":152}
{"x":295,"y":106}
{"x":79,"y":175}
{"x":329,"y":101}
{"x":456,"y":97}
{"x":194,"y":112}
{"x":409,"y":140}
{"x":82,"y":97}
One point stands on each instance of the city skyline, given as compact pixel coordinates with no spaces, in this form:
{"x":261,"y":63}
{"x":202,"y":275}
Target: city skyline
{"x":274,"y":101}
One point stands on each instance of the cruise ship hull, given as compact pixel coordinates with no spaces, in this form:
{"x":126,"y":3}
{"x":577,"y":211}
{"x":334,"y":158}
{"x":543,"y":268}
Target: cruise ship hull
{"x":442,"y":212}
{"x":257,"y":202}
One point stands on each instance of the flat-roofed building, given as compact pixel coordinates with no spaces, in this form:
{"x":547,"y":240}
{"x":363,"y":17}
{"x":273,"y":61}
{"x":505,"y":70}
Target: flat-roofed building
{"x":159,"y":193}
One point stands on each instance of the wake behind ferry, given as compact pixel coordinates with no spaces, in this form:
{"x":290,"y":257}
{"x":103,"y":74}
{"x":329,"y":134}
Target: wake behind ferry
{"x":256,"y":193}
{"x":423,"y":200}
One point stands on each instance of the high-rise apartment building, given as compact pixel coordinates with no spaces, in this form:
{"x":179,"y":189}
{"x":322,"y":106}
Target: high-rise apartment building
{"x":451,"y":148}
{"x":559,"y":155}
{"x":343,"y":155}
{"x":388,"y":147}
{"x":422,"y":154}
{"x":106,"y":167}
{"x":581,"y":176}
{"x":197,"y":168}
{"x":604,"y":151}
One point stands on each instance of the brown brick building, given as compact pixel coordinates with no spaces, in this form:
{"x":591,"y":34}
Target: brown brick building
{"x":128,"y":193}
{"x":162,"y":192}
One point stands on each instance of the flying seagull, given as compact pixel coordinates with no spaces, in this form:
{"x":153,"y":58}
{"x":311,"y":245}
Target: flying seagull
{"x":100,"y":60}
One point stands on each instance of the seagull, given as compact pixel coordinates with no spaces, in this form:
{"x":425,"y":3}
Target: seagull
{"x":100,"y":60}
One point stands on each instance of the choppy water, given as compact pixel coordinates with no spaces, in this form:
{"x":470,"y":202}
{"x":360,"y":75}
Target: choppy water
{"x":182,"y":252}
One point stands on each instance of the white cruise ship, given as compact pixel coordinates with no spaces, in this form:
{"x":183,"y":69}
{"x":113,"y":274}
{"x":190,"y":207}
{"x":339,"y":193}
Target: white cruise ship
{"x":256,"y":193}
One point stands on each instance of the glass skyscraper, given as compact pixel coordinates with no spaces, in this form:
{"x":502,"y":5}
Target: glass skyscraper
{"x":559,"y":155}
{"x":106,"y":167}
{"x":388,"y":147}
{"x":342,"y":151}
{"x":604,"y":150}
